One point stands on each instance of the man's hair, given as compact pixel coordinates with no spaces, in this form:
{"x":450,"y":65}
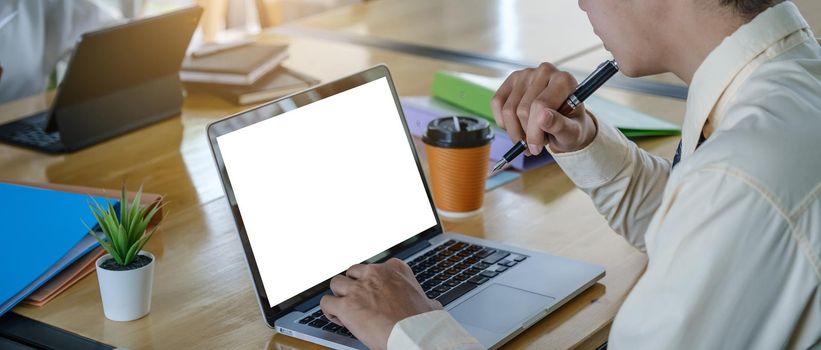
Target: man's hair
{"x":749,"y":8}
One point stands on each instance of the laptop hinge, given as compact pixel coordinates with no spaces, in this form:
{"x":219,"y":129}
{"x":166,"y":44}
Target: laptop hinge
{"x":412,"y":250}
{"x":311,"y":303}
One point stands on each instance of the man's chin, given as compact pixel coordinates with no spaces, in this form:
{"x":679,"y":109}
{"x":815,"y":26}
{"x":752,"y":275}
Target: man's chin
{"x":634,"y":70}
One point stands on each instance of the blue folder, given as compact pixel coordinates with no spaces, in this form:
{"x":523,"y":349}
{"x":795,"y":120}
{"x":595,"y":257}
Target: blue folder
{"x":41,"y":232}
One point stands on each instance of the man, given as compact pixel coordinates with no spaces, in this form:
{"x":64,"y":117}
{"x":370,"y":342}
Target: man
{"x":731,"y":227}
{"x":36,"y":35}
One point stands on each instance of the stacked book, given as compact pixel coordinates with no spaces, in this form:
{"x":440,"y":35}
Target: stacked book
{"x":456,"y":93}
{"x":243,"y":73}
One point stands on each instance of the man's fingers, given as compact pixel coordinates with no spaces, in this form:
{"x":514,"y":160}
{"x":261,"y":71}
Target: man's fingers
{"x":400,"y":265}
{"x":341,"y":285}
{"x":561,"y":85}
{"x":500,"y":98}
{"x":331,"y":305}
{"x":513,"y":126}
{"x":564,"y":130}
{"x":357,"y":271}
{"x":336,"y":320}
{"x":535,"y":128}
{"x":541,"y":76}
{"x":511,"y":121}
{"x":404,"y":272}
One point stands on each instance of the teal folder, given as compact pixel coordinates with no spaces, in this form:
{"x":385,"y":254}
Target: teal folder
{"x":41,"y":232}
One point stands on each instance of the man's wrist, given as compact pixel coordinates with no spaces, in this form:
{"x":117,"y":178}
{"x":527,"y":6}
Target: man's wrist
{"x":598,"y":162}
{"x":431,"y":329}
{"x":589,"y":130}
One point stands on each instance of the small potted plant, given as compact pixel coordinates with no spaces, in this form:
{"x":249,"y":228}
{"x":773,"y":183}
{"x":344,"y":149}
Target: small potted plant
{"x":126,"y":273}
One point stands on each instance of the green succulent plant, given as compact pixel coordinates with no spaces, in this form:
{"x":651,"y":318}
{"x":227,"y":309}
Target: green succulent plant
{"x":125,"y":231}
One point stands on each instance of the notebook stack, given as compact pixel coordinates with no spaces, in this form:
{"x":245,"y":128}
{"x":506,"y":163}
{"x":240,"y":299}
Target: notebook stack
{"x":244,"y":73}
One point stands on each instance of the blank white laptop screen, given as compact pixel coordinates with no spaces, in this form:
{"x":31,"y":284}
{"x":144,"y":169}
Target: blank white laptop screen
{"x":325,"y":186}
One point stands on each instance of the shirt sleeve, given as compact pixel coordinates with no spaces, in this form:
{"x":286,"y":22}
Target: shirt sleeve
{"x":65,"y":22}
{"x":625,"y":182}
{"x":431,"y":330}
{"x":724,"y":272}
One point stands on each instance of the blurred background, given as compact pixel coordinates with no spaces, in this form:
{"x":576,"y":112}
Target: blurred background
{"x":37,"y":36}
{"x":224,"y":20}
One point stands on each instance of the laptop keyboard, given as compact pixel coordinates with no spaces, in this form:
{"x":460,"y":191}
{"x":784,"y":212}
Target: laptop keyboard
{"x":446,"y":272}
{"x":318,"y":320}
{"x":29,"y":132}
{"x":454,"y":268}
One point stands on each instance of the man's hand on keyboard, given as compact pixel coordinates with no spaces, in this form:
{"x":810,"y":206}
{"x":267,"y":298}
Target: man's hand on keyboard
{"x":371,"y":299}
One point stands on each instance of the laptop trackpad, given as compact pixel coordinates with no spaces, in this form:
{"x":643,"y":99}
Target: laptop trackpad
{"x":500,"y":308}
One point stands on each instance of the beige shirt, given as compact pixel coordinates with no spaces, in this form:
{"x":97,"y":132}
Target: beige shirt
{"x":733,"y":233}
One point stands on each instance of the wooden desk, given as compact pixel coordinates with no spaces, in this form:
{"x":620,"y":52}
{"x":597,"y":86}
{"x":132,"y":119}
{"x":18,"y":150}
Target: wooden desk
{"x":524,"y":30}
{"x":495,"y":33}
{"x":203,"y":297}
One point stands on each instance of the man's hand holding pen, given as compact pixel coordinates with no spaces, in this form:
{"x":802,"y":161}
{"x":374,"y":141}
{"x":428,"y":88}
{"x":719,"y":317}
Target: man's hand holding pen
{"x":527,"y":104}
{"x":539,"y":106}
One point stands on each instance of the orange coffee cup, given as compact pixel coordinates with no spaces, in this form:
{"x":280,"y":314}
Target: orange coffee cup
{"x":458,"y":150}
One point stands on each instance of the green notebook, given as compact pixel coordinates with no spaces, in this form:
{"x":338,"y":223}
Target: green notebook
{"x":473,"y":93}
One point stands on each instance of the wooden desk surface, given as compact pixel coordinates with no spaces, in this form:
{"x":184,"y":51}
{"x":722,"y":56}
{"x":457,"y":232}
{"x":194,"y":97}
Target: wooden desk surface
{"x":520,"y":30}
{"x":523,"y":30}
{"x":526,"y":31}
{"x":203,"y":296}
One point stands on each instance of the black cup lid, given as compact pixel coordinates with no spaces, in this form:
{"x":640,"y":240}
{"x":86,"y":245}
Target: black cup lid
{"x":458,"y":132}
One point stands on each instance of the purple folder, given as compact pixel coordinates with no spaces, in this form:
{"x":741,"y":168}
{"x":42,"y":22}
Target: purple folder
{"x":421,"y":110}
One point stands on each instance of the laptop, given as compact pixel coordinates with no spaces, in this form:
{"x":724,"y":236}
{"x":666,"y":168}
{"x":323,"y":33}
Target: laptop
{"x":118,"y":79}
{"x":328,"y":178}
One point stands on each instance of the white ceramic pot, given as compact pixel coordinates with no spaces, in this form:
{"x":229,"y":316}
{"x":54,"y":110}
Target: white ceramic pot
{"x":126,"y":294}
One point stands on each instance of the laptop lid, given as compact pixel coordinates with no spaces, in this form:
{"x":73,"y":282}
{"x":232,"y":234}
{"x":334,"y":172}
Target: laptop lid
{"x":319,"y":181}
{"x":123,"y":77}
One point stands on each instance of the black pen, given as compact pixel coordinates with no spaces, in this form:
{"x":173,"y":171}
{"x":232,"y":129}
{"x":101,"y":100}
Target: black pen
{"x":601,"y":75}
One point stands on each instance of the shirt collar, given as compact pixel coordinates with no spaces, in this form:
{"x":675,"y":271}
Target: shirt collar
{"x":725,"y":62}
